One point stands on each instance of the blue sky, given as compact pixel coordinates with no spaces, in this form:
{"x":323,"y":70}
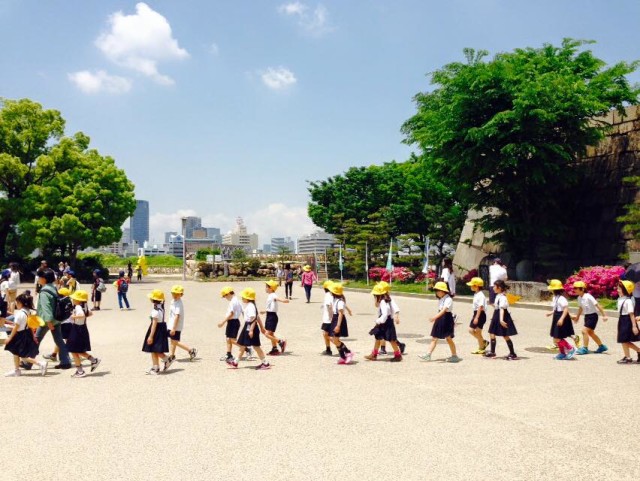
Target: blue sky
{"x":226,"y":108}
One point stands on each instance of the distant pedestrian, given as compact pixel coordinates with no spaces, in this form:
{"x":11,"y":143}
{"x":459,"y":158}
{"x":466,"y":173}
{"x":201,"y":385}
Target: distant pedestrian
{"x":129,"y":270}
{"x":395,"y":313}
{"x":176,"y":325}
{"x":97,"y":288}
{"x":327,"y":314}
{"x":587,"y":306}
{"x":43,"y":266}
{"x":279,"y":275}
{"x":497,"y":272}
{"x":250,"y":334}
{"x":479,"y":317}
{"x":14,"y":283}
{"x":288,"y":281}
{"x":628,"y":329}
{"x":561,"y":322}
{"x":501,"y":322}
{"x":79,"y":342}
{"x":307,"y":279}
{"x":156,"y":341}
{"x":139,"y":272}
{"x":448,"y":276}
{"x":271,"y":320}
{"x":443,"y":323}
{"x":122,"y":288}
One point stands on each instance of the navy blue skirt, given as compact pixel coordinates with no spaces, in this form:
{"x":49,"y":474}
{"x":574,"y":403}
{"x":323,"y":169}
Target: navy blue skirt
{"x":160,"y":340}
{"x":23,"y":344}
{"x":245,"y":340}
{"x":78,"y":340}
{"x":232,"y":329}
{"x":625,"y":330}
{"x":560,"y":332}
{"x":482,"y":319}
{"x":496,"y":328}
{"x":344,"y":328}
{"x":271,"y":322}
{"x":443,"y":327}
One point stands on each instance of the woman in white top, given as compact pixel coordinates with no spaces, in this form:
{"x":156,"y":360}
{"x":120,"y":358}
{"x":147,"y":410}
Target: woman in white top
{"x":448,"y":276}
{"x":588,"y":306}
{"x":12,"y":290}
{"x":628,"y":331}
{"x":497,"y":272}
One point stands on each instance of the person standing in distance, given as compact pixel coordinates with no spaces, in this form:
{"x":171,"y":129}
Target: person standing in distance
{"x":497,"y":272}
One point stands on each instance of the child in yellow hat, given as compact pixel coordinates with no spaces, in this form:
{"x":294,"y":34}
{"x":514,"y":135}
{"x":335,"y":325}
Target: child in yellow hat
{"x":501,"y":322}
{"x":339,"y":327}
{"x":588,"y":306}
{"x":443,"y":323}
{"x":384,"y":328}
{"x":79,"y":342}
{"x":395,"y":313}
{"x":561,"y":322}
{"x":176,"y":325}
{"x":231,"y":321}
{"x":156,"y":341}
{"x":628,"y":329}
{"x":250,"y":335}
{"x":271,"y":321}
{"x":479,"y":314}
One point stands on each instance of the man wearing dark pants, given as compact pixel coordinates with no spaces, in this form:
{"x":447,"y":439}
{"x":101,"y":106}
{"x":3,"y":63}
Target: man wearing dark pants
{"x":47,"y":300}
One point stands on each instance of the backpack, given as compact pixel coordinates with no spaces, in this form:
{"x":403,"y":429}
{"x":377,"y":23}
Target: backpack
{"x":124,"y":286}
{"x":63,"y":307}
{"x":289,"y":275}
{"x":101,"y":287}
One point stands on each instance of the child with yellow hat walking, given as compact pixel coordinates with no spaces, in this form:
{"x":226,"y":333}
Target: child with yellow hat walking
{"x":232,"y":321}
{"x":271,"y":321}
{"x":395,"y":313}
{"x":628,"y":329}
{"x":588,"y":306}
{"x":79,"y":342}
{"x":21,"y":341}
{"x":156,"y":341}
{"x":561,"y":323}
{"x":339,"y":327}
{"x":479,"y":317}
{"x":501,"y":322}
{"x":327,"y":314}
{"x":176,"y":324}
{"x":443,"y":323}
{"x":250,"y":335}
{"x":384,"y":329}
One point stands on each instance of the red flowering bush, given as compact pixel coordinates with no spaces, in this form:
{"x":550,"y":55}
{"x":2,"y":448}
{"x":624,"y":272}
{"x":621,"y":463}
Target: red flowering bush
{"x":469,"y":275}
{"x":399,"y":274}
{"x":602,"y":281}
{"x":422,"y":277}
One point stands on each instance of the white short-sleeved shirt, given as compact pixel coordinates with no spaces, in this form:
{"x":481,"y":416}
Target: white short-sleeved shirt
{"x":479,"y":300}
{"x":501,"y":301}
{"x":588,"y":303}
{"x":157,"y":314}
{"x":326,"y":303}
{"x":14,"y":280}
{"x":445,"y":303}
{"x":338,"y":305}
{"x":272,"y":302}
{"x":395,"y":309}
{"x":4,"y":286}
{"x":20,"y":319}
{"x":234,"y":307}
{"x":80,"y":317}
{"x":626,"y":305}
{"x":384,"y":312}
{"x":497,"y":273}
{"x":250,"y":313}
{"x":176,"y":309}
{"x":560,"y":303}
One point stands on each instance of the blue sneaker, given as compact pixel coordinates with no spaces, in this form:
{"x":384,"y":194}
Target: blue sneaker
{"x":571,"y":353}
{"x":583,"y":350}
{"x":601,"y":348}
{"x":560,"y":357}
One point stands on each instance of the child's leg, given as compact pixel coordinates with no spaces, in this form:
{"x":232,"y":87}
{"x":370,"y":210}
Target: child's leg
{"x":625,"y":349}
{"x":241,"y":352}
{"x":512,"y":351}
{"x":590,"y":333}
{"x":76,"y":360}
{"x":16,"y":362}
{"x":492,"y":342}
{"x":327,"y":339}
{"x":126,"y":301}
{"x":634,"y":347}
{"x":432,"y":346}
{"x":452,"y":346}
{"x":477,"y":333}
{"x":560,"y":344}
{"x":395,"y":346}
{"x":155,"y":362}
{"x":260,"y":353}
{"x":271,"y":336}
{"x":175,"y":344}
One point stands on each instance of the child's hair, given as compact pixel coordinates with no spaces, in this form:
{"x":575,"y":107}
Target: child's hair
{"x":25,"y":299}
{"x":158,"y":303}
{"x":501,"y":285}
{"x":383,"y":297}
{"x":339,"y":296}
{"x":558,"y":292}
{"x":448,"y":263}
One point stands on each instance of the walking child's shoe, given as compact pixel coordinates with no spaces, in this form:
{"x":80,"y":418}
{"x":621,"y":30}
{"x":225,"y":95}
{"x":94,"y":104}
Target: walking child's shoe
{"x":43,"y":368}
{"x":94,"y":364}
{"x":168,"y":362}
{"x":348,"y":357}
{"x":232,"y":362}
{"x":425,"y":357}
{"x":453,"y":359}
{"x":341,"y":361}
{"x":263,"y":366}
{"x":478,"y":351}
{"x":625,"y":360}
{"x":273,"y":352}
{"x":14,"y":373}
{"x":582,"y":351}
{"x":192,"y":354}
{"x":553,"y":347}
{"x":283,"y":345}
{"x":383,"y":351}
{"x":327,"y":352}
{"x":511,"y":357}
{"x":371,"y":357}
{"x":250,"y":355}
{"x":153,"y":371}
{"x":51,"y":357}
{"x":396,"y":358}
{"x":489,"y":354}
{"x":601,"y":348}
{"x":402,"y":346}
{"x":79,"y":373}
{"x":576,"y":339}
{"x":560,"y":357}
{"x":226,"y":357}
{"x":571,"y":353}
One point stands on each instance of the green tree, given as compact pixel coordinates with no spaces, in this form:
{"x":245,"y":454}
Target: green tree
{"x":631,"y":219}
{"x":240,"y":257}
{"x":201,"y":254}
{"x":504,"y":135}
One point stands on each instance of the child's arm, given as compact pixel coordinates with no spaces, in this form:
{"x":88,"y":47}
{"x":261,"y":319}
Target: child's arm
{"x":502,"y":323}
{"x":226,"y":319}
{"x":154,"y":323}
{"x":439,"y":314}
{"x":396,"y":317}
{"x":13,"y":333}
{"x":564,"y":315}
{"x":599,"y":307}
{"x":634,"y":323}
{"x":284,"y":301}
{"x":477,"y":318}
{"x":576,"y":318}
{"x":348,"y":310}
{"x":340,"y":317}
{"x":175,"y":322}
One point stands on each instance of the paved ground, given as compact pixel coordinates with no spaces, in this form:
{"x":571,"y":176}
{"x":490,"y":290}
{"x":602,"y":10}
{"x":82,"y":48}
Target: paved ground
{"x":310,"y":419}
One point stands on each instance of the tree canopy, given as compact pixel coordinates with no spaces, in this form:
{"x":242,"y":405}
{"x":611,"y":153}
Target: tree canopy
{"x":55,"y":192}
{"x":505,"y":135}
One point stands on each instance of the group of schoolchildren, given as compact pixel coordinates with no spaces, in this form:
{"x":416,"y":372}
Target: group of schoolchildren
{"x":162,"y":339}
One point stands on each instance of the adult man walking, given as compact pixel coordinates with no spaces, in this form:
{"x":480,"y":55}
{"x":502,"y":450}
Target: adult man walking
{"x":47,"y":300}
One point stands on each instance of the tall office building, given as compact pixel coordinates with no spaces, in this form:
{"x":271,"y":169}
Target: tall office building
{"x":192,"y":224}
{"x":315,"y":243}
{"x":139,"y":223}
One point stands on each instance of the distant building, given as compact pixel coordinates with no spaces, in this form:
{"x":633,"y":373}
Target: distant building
{"x":192,"y":224}
{"x":279,"y":243}
{"x":174,"y":245}
{"x":266,"y":248}
{"x":168,"y":236}
{"x":213,"y":233}
{"x":126,"y":235}
{"x":315,"y":243}
{"x":139,"y":223}
{"x":240,"y":237}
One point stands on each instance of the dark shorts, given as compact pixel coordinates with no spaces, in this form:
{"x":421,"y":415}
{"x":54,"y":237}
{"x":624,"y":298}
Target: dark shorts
{"x":326,"y":327}
{"x":482,"y":319}
{"x":591,"y":320}
{"x":271,"y":322}
{"x":175,"y":337}
{"x":231,"y":331}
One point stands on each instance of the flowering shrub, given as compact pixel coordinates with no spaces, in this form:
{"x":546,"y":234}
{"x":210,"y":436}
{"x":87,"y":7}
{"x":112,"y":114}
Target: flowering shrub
{"x":399,"y":274}
{"x":469,"y":275}
{"x":602,"y":281}
{"x":422,"y":277}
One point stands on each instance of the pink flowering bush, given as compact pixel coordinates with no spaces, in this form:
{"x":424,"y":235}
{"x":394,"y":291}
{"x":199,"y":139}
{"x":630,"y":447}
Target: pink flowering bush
{"x":422,"y":277}
{"x":602,"y":281}
{"x":399,"y":274}
{"x":469,"y":275}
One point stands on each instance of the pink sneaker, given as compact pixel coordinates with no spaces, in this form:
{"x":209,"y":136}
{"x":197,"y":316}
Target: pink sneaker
{"x":349,"y":358}
{"x":231,"y":362}
{"x":342,"y":361}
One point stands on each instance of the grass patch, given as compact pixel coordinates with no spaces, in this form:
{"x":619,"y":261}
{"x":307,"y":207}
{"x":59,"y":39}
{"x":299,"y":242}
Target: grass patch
{"x":410,"y":288}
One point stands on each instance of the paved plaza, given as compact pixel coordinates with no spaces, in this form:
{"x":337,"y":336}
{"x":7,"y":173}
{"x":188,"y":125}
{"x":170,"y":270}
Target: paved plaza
{"x":310,"y":419}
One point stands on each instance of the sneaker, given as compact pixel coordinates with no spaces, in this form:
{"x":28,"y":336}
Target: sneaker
{"x":489,"y":354}
{"x":342,"y":361}
{"x":250,"y":355}
{"x":62,"y":366}
{"x":51,"y":357}
{"x":192,"y":354}
{"x":79,"y":374}
{"x":94,"y":364}
{"x":232,"y":362}
{"x":553,"y":347}
{"x":26,"y":365}
{"x":225,"y":357}
{"x":273,"y":352}
{"x":263,"y":366}
{"x":348,"y":358}
{"x":327,"y":352}
{"x":453,"y":359}
{"x":402,"y":346}
{"x":478,"y":351}
{"x":43,"y":367}
{"x":511,"y":357}
{"x":571,"y":353}
{"x":371,"y":357}
{"x":560,"y":357}
{"x":153,"y":372}
{"x":425,"y":357}
{"x":486,"y":345}
{"x":582,"y":351}
{"x":168,"y":362}
{"x":625,"y":360}
{"x":601,"y":348}
{"x":283,"y":345}
{"x":14,"y":373}
{"x":578,"y":341}
{"x":396,"y":359}
{"x":382,"y":351}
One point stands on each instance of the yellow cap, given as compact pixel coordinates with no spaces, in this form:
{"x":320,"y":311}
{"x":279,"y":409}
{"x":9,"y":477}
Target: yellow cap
{"x":555,"y":285}
{"x":82,"y":296}
{"x":272,"y":284}
{"x":441,"y":286}
{"x":385,"y":286}
{"x":306,"y":268}
{"x":327,"y":283}
{"x":476,"y":281}
{"x":248,"y":294}
{"x":579,"y":285}
{"x":156,"y":295}
{"x":226,"y":291}
{"x":336,"y":288}
{"x":64,"y":291}
{"x":378,"y":290}
{"x":34,"y":321}
{"x":629,"y":286}
{"x":177,"y":289}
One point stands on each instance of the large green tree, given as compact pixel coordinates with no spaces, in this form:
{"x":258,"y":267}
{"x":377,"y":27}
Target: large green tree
{"x":505,"y":135}
{"x":55,"y":192}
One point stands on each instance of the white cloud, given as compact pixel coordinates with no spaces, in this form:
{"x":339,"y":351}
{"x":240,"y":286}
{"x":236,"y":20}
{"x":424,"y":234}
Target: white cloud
{"x":314,"y":22}
{"x":100,"y":81}
{"x":140,"y":41}
{"x":278,"y":78}
{"x":214,"y":49}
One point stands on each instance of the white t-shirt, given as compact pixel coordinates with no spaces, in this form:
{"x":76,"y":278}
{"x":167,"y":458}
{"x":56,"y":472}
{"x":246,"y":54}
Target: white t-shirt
{"x":450,"y":278}
{"x":326,"y":303}
{"x":272,"y":303}
{"x":497,"y":273}
{"x":479,"y":300}
{"x":20,"y":319}
{"x":14,"y":280}
{"x":79,"y":314}
{"x":560,"y":303}
{"x":384,"y":313}
{"x":445,"y":303}
{"x":157,"y":314}
{"x":588,"y":303}
{"x":234,"y":307}
{"x":395,"y":309}
{"x":250,"y":313}
{"x":176,"y":309}
{"x":4,"y":286}
{"x":626,"y":304}
{"x":501,"y":301}
{"x":338,"y":305}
